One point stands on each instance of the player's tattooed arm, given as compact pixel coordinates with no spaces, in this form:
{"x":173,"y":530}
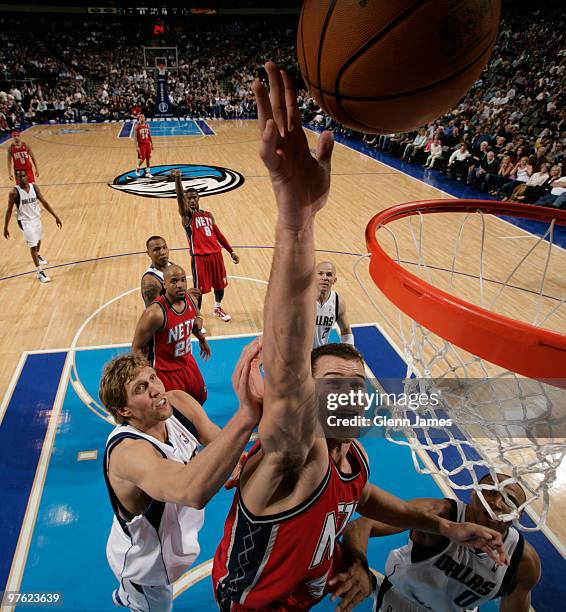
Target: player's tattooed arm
{"x":151,"y":289}
{"x":151,"y":321}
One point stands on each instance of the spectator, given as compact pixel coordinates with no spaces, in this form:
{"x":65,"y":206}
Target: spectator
{"x":457,"y":163}
{"x":435,"y":153}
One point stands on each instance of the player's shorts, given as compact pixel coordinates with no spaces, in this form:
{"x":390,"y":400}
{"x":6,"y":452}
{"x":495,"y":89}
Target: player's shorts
{"x":145,"y":151}
{"x":293,"y":602}
{"x":142,"y":597}
{"x":188,"y":379}
{"x":209,"y":272}
{"x":388,"y":599}
{"x":29,"y":173}
{"x":32,"y":230}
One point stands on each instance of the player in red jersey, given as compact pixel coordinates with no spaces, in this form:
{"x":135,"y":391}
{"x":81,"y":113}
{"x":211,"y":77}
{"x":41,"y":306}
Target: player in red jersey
{"x":205,"y":246}
{"x":169,"y":321}
{"x":297,"y":490}
{"x":20,"y":157}
{"x":144,"y":144}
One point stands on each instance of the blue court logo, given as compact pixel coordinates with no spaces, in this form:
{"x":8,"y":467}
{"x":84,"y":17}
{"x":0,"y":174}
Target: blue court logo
{"x":207,"y":180}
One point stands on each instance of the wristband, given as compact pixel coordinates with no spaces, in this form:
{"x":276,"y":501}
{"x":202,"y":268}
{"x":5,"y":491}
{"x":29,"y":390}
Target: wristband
{"x":347,"y":339}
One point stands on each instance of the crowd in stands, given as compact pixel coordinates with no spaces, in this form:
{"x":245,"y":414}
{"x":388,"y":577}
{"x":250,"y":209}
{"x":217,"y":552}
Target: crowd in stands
{"x":506,"y":137}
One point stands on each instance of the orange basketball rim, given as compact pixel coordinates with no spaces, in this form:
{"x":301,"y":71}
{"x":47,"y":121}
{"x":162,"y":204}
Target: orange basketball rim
{"x":528,"y":350}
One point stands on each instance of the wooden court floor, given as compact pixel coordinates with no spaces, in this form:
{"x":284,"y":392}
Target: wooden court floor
{"x":97,"y":259}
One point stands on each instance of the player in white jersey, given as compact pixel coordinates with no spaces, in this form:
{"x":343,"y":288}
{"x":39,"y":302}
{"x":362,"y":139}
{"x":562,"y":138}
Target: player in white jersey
{"x":330,"y":309}
{"x":152,"y":282}
{"x":24,"y":196}
{"x":433,"y":573}
{"x":157,"y":480}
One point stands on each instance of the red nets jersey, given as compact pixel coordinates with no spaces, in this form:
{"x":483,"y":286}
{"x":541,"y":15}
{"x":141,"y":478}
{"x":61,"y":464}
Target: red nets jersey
{"x":143,"y":133}
{"x":201,"y":234}
{"x":283,"y":562}
{"x":172,"y":343}
{"x":20,"y":157}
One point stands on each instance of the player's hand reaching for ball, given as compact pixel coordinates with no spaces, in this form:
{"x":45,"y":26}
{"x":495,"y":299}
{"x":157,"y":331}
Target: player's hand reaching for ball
{"x":248,"y":382}
{"x":477,"y":537}
{"x":300,"y":180}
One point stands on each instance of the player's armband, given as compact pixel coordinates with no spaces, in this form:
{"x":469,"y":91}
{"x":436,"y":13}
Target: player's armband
{"x":347,"y":339}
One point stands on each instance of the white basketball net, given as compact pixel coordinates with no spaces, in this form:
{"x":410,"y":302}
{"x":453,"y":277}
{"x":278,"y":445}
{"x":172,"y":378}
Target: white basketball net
{"x":502,"y":422}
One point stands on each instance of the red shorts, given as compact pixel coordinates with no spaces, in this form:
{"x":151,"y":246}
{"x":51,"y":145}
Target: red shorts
{"x":209,"y":271}
{"x":295,"y":602}
{"x":28,"y":171}
{"x":187,"y":379}
{"x":145,"y":151}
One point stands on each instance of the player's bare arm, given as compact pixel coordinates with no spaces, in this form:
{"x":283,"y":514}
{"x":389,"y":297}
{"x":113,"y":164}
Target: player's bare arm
{"x":193,"y":484}
{"x":184,"y":211}
{"x":300,"y":183}
{"x":150,"y":288}
{"x":528,"y":576}
{"x":150,"y":322}
{"x":34,"y":161}
{"x":11,"y":203}
{"x":10,"y":170}
{"x":346,"y":334}
{"x":136,"y":461}
{"x":47,"y":207}
{"x":222,"y":240}
{"x":382,"y":506}
{"x":208,"y":431}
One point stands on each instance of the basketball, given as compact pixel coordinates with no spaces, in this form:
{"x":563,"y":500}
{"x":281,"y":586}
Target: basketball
{"x":384,"y":67}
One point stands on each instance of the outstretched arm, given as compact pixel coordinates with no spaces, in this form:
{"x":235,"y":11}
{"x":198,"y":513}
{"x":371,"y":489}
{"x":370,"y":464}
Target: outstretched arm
{"x":184,"y":210}
{"x":300,"y":183}
{"x":421,"y":516}
{"x":195,"y":483}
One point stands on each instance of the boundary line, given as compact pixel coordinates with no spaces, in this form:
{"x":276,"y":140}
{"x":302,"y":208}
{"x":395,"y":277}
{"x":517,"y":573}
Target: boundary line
{"x":28,"y":524}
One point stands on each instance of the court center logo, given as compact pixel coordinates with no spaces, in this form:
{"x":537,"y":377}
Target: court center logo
{"x":207,"y":180}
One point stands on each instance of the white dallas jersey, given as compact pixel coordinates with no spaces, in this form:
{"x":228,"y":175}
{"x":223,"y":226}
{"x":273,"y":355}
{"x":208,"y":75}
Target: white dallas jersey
{"x":452,"y":578}
{"x":158,"y":274}
{"x":326,"y":316}
{"x":156,"y":547}
{"x":28,"y":206}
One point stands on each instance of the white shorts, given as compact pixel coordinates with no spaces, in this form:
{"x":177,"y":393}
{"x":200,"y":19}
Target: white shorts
{"x":143,"y":598}
{"x":394,"y":601}
{"x":32,"y":230}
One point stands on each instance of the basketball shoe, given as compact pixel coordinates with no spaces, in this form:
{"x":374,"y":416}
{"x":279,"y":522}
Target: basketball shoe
{"x":218,"y":312}
{"x":43,"y":278}
{"x":42,"y":261}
